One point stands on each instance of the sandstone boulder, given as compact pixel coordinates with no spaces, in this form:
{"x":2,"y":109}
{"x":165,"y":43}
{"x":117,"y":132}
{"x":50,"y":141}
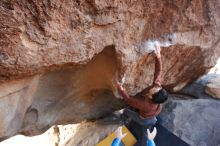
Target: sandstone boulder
{"x":194,"y":121}
{"x":84,"y":134}
{"x":213,"y":87}
{"x":39,"y":36}
{"x":206,"y":86}
{"x":16,"y":97}
{"x":68,"y":53}
{"x":197,"y":89}
{"x":216,"y":68}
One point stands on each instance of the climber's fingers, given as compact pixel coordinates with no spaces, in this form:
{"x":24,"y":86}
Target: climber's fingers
{"x":157,"y":46}
{"x":123,"y":135}
{"x":151,"y":135}
{"x":119,"y":133}
{"x":120,"y":129}
{"x":148,"y":132}
{"x":154,"y":131}
{"x":123,"y":80}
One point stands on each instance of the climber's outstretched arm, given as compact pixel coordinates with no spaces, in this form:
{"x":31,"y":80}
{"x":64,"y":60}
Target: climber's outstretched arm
{"x":136,"y":103}
{"x":122,"y":91}
{"x":158,"y":67}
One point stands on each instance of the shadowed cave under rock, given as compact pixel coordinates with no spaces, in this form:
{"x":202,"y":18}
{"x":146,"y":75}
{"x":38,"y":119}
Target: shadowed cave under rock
{"x":73,"y":94}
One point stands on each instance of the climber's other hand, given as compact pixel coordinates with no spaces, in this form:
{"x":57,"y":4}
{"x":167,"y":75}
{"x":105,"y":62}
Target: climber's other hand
{"x":157,"y":49}
{"x":119,"y":133}
{"x":151,"y":135}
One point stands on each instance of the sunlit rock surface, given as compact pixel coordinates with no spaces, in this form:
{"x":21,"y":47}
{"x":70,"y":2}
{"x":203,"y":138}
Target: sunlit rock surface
{"x":194,"y":121}
{"x":206,"y":86}
{"x":84,"y":134}
{"x":213,"y":87}
{"x":58,"y":59}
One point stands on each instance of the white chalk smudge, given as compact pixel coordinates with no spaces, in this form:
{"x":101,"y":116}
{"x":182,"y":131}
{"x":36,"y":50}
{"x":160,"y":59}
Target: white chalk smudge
{"x":149,"y":46}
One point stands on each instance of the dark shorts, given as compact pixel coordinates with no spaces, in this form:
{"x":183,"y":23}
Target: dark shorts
{"x":138,"y":126}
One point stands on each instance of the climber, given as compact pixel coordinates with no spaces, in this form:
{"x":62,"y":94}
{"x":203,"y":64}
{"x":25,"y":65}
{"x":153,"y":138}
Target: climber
{"x":119,"y":137}
{"x":147,"y":103}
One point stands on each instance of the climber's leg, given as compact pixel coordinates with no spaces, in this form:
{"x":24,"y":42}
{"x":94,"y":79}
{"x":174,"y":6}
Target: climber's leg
{"x":131,"y":115}
{"x":135,"y":117}
{"x":140,"y":132}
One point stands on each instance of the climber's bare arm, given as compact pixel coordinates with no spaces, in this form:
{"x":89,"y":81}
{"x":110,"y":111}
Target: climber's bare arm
{"x":158,"y":67}
{"x":156,"y":85}
{"x":122,"y":91}
{"x":136,"y":103}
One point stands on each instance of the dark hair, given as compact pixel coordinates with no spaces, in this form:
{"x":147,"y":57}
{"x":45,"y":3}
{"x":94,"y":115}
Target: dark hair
{"x":160,"y":97}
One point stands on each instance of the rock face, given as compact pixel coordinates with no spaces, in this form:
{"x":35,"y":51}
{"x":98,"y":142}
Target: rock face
{"x":213,"y":87}
{"x":58,"y":58}
{"x":14,"y":103}
{"x":198,"y":88}
{"x":47,"y":35}
{"x":206,"y":86}
{"x":69,"y":95}
{"x":84,"y":134}
{"x":216,"y":68}
{"x":195,"y":121}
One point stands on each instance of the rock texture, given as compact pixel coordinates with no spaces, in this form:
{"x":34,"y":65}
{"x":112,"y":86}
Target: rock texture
{"x":197,"y":89}
{"x":84,"y":134}
{"x":206,"y":86}
{"x":45,"y":35}
{"x":195,"y":121}
{"x":216,"y":68}
{"x":213,"y":87}
{"x":14,"y":102}
{"x":70,"y":95}
{"x":61,"y":56}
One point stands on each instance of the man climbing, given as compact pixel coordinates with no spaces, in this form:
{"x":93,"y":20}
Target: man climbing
{"x":147,"y":103}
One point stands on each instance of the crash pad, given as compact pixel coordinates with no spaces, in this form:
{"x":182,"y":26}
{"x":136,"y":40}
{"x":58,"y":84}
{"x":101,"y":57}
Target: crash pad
{"x":166,"y":138}
{"x":128,"y":140}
